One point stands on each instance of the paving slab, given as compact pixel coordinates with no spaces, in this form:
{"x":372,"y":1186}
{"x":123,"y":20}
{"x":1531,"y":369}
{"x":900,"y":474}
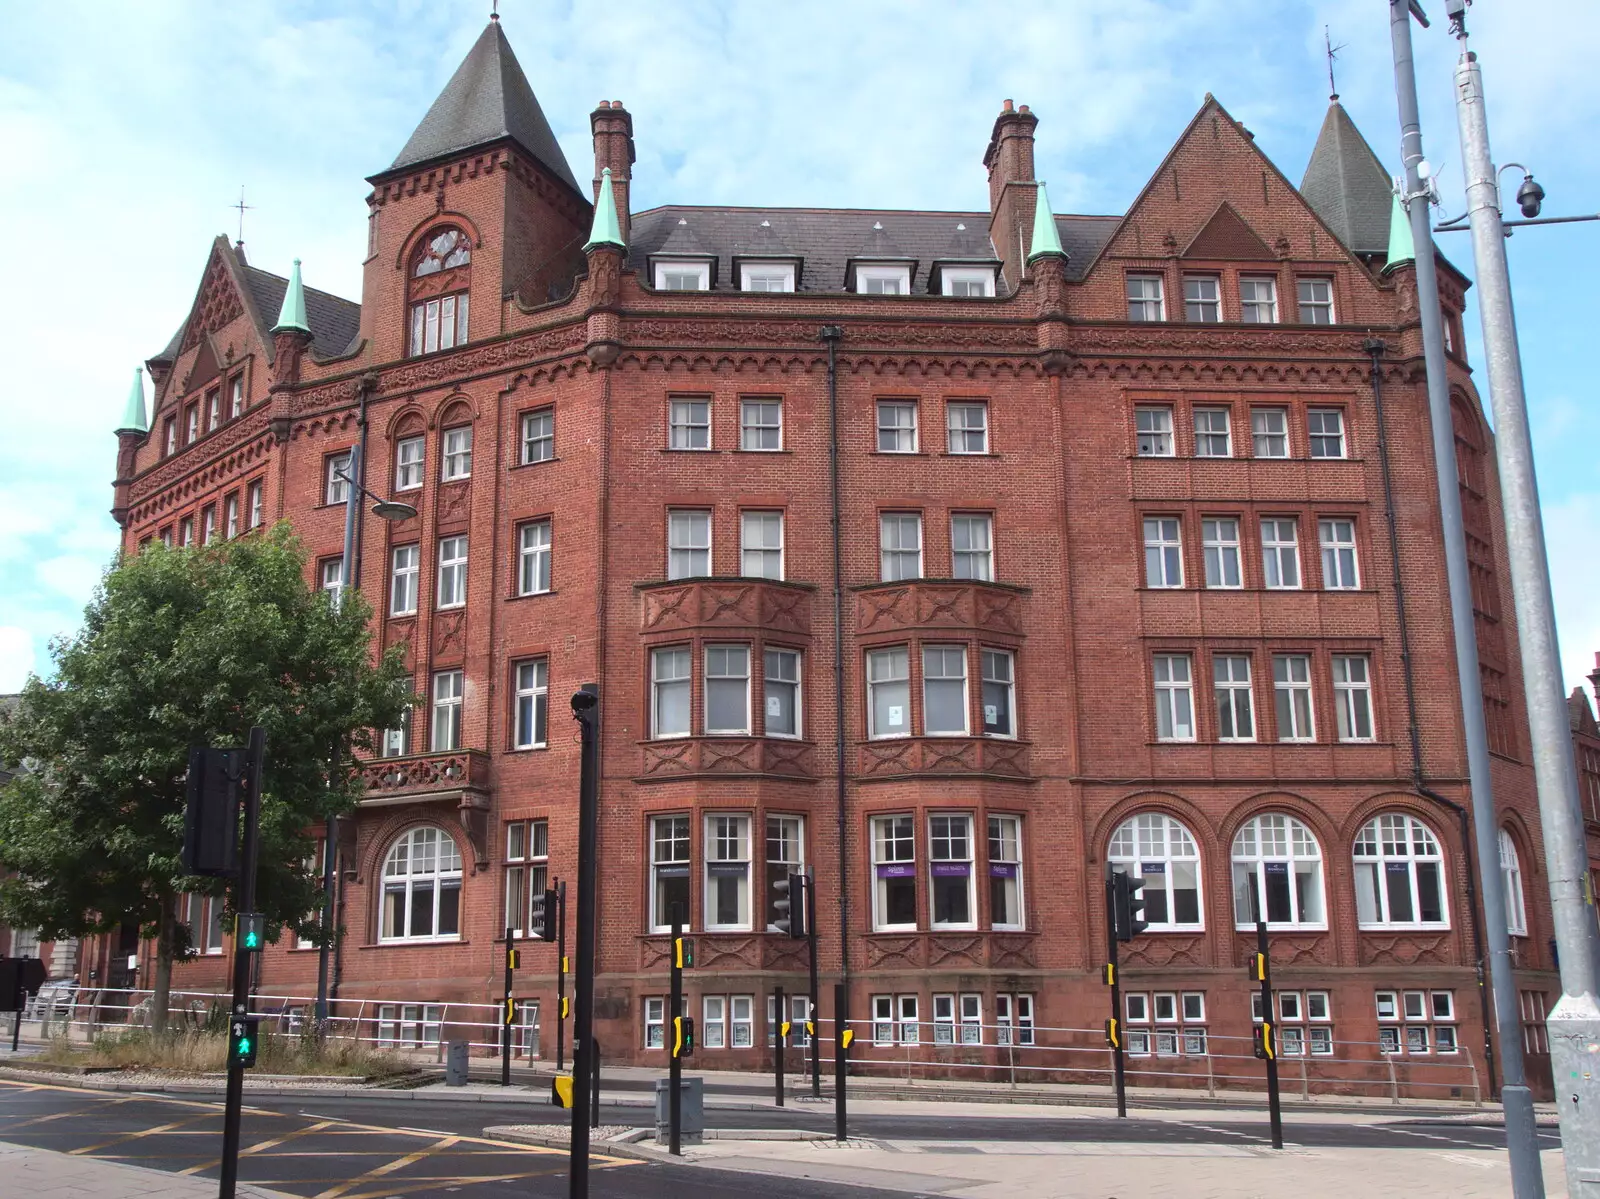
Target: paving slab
{"x":42,"y":1174}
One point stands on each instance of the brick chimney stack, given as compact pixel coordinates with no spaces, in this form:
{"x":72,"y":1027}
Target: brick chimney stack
{"x":612,"y":126}
{"x":1009,"y":160}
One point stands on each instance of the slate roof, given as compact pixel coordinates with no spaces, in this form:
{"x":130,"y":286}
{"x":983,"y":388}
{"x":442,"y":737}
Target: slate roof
{"x":1347,"y":186}
{"x":335,"y":322}
{"x":828,"y":238}
{"x":488,"y":98}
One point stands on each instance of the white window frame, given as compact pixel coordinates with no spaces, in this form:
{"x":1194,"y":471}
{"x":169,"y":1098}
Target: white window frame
{"x":1174,"y":697}
{"x":1511,"y":877}
{"x":1207,"y":430}
{"x":741,"y":1027}
{"x":396,"y":742}
{"x":654,"y":1011}
{"x":684,"y":551}
{"x":971,"y":1019}
{"x":445,"y":857}
{"x":331,"y":581}
{"x":531,"y":710}
{"x":958,"y":280}
{"x":231,"y":525}
{"x":456,"y":456}
{"x":452,"y":581}
{"x":1202,"y":299}
{"x":893,"y":558}
{"x":944,"y":1019}
{"x":669,"y":274}
{"x":1149,"y":304}
{"x":775,"y":673}
{"x":444,"y":726}
{"x":1235,"y":697}
{"x":1293,"y":703}
{"x":410,"y":458}
{"x":951,"y":848}
{"x":538,"y":440}
{"x":1158,"y":848}
{"x":1341,"y":566}
{"x":336,"y":486}
{"x":761,"y":554}
{"x":1163,"y":552}
{"x":1219,"y":542}
{"x":1397,"y":847}
{"x":897,"y":431}
{"x":1319,"y":306}
{"x":724,"y":676}
{"x":680,"y":683}
{"x":679,"y":837}
{"x":1000,"y":686}
{"x":975,"y":559}
{"x":409,"y":1025}
{"x":714,"y":1022}
{"x":784,"y":854}
{"x":872,"y":280}
{"x":1280,"y":554}
{"x":689,"y":424}
{"x":405,"y":579}
{"x":753,"y":433}
{"x":759,"y":276}
{"x":894,"y":845}
{"x":256,"y":495}
{"x":937,"y":661}
{"x":235,"y":396}
{"x":1258,"y":299}
{"x":1269,"y":431}
{"x":1325,"y":431}
{"x":965,"y":437}
{"x":877,"y":661}
{"x":1279,"y":840}
{"x":527,"y":870}
{"x":1352,"y":698}
{"x":1005,"y":871}
{"x":1152,"y":427}
{"x":728,"y":858}
{"x":535,"y":551}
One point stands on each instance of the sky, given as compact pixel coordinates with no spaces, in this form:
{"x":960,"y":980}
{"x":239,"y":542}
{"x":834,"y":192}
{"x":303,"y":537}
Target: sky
{"x":132,"y":127}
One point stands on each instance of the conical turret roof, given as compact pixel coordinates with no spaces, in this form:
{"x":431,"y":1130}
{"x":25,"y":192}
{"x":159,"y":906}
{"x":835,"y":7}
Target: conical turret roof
{"x":1347,"y":186}
{"x":133,"y":417}
{"x":488,"y":98}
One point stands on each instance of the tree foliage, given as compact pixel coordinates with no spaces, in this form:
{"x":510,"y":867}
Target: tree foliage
{"x":178,"y":648}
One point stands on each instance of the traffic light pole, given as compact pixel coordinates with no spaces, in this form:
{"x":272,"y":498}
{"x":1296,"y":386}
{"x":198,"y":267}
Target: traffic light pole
{"x":1114,"y":1028}
{"x":842,"y":1036}
{"x":673,"y":1028}
{"x":508,"y":1014}
{"x":1269,"y":1034}
{"x":561,"y":974}
{"x":586,"y":710}
{"x":812,"y":1030}
{"x":779,"y":1039}
{"x":246,"y":902}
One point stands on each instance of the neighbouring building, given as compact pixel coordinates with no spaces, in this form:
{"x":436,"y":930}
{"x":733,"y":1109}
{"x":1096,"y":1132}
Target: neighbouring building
{"x":949,"y":555}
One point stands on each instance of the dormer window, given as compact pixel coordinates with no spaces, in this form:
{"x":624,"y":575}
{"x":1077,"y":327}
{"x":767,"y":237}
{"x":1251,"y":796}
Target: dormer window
{"x":683,"y":276}
{"x":883,"y":280}
{"x":967,"y":280}
{"x":766,"y":276}
{"x":441,"y":273}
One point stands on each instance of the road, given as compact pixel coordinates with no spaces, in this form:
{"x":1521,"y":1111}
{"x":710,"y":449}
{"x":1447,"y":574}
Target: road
{"x":373,"y":1149}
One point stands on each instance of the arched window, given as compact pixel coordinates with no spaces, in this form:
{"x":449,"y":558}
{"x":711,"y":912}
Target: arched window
{"x":1156,"y":848}
{"x":437,"y":291}
{"x":1399,"y":874}
{"x":1511,"y":876}
{"x":421,"y":887}
{"x":1277,"y":871}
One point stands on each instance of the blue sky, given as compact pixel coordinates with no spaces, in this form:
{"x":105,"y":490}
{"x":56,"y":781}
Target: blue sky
{"x":132,"y":126}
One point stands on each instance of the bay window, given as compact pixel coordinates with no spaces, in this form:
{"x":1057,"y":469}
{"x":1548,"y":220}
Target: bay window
{"x":669,"y":872}
{"x":894,"y":873}
{"x":950,"y":871}
{"x":727,"y":894}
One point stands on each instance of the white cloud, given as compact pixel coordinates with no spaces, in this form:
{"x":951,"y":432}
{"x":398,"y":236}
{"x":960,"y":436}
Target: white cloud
{"x":16,"y":658}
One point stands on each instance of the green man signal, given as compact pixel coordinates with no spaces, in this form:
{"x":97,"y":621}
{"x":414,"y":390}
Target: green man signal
{"x":243,"y":1039}
{"x":251,"y":928}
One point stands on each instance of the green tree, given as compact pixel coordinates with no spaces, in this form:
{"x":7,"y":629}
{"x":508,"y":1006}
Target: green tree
{"x":178,"y":648}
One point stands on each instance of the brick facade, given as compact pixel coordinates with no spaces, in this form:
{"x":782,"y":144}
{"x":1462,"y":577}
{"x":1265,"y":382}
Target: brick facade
{"x":1061,"y":370}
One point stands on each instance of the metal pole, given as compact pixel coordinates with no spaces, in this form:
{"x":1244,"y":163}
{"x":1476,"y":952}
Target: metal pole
{"x":1516,"y":1099}
{"x":234,"y":1099}
{"x":674,"y":1022}
{"x":509,"y":1012}
{"x":812,"y":1017}
{"x":594,"y":1093}
{"x":561,"y":974}
{"x":1574,"y":1023}
{"x":1269,"y":1033}
{"x":778,"y":1040}
{"x":586,"y":710}
{"x":841,"y":1058}
{"x":1118,"y":1064}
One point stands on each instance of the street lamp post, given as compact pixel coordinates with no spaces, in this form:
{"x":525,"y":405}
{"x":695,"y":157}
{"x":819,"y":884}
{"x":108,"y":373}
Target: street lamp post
{"x":1574,"y":1023}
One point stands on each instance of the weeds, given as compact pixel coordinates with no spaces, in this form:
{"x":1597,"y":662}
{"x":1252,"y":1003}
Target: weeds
{"x":205,"y":1051}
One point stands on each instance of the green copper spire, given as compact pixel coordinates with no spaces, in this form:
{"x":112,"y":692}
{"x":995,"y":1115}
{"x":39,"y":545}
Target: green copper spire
{"x":1045,"y":238}
{"x":133,"y":419}
{"x":1401,"y":246}
{"x":292,"y":316}
{"x":607,"y":230}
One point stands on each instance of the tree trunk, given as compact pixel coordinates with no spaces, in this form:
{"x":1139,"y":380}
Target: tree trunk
{"x":161,"y":995}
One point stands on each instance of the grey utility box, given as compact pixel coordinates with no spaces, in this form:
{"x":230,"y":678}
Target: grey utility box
{"x":455,"y":1064}
{"x":691,"y":1113}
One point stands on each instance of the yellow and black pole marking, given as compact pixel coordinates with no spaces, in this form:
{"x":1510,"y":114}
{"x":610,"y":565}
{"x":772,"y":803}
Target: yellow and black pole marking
{"x":1114,"y":1025}
{"x":1267,"y":1034}
{"x":513,"y":960}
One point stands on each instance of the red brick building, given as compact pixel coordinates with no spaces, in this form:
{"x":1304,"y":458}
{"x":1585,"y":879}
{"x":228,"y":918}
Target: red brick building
{"x":1114,"y":577}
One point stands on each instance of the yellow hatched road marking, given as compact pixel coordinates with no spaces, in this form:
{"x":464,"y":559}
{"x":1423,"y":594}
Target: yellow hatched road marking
{"x":406,"y":1188}
{"x":398,"y":1163}
{"x":134,"y":1136}
{"x":261,"y":1146}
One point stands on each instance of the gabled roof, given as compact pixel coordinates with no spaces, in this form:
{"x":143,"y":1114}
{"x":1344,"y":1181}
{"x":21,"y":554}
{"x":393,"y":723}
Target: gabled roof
{"x":487,"y":99}
{"x":1347,"y":185}
{"x":1226,"y":236}
{"x":1580,"y":715}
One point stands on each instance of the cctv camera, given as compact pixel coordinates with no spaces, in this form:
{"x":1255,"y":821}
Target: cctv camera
{"x":1530,"y":197}
{"x":585,"y":699}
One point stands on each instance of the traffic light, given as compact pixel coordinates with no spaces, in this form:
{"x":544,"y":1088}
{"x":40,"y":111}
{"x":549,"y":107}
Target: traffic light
{"x":250,"y":928}
{"x":682,"y":1036}
{"x":1108,"y":974}
{"x":511,"y":1011}
{"x":546,"y":911}
{"x":1266,"y":1043}
{"x":211,"y":811}
{"x":243,"y":1036}
{"x":791,"y":906}
{"x":1113,"y":1033}
{"x":682,"y":952}
{"x":1258,"y":967}
{"x":1127,"y":905}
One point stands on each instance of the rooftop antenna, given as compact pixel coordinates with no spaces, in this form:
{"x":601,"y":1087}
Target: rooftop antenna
{"x":1333,"y":52}
{"x":242,"y":207}
{"x":494,"y":10}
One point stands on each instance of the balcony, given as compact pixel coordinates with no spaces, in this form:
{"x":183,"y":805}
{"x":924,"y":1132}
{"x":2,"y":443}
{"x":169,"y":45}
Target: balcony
{"x":963,"y":605}
{"x":727,"y":757}
{"x":459,"y":778}
{"x":944,"y":757}
{"x":725,"y":604}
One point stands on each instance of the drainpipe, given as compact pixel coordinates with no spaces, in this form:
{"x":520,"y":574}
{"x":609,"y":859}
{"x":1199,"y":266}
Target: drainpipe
{"x":832,"y":334}
{"x":1375,"y":349}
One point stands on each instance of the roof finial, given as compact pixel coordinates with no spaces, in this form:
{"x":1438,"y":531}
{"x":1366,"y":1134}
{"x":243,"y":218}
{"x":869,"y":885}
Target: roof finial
{"x":292,"y":316}
{"x":494,"y":10}
{"x":1333,"y":52}
{"x":241,"y":206}
{"x":607,"y":229}
{"x":1046,"y":239}
{"x":133,"y":420}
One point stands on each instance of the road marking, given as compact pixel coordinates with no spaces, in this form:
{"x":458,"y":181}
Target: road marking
{"x":76,"y":1111}
{"x":398,"y":1163}
{"x":1430,"y":1136}
{"x":1232,"y":1132}
{"x":261,"y":1146}
{"x":430,"y":1132}
{"x":133,"y":1136}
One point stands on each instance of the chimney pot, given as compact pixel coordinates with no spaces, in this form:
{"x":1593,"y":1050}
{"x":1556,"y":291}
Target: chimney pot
{"x":1005,"y":106}
{"x":1024,"y":108}
{"x":616,"y":104}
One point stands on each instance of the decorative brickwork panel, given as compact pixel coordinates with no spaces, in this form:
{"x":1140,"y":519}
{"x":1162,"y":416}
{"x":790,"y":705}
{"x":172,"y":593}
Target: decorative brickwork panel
{"x":449,"y":638}
{"x":1402,"y":949}
{"x":1163,"y":949}
{"x":951,"y":952}
{"x":726,"y":604}
{"x":944,"y":755}
{"x":454,"y":502}
{"x":727,"y":953}
{"x":890,"y":952}
{"x":426,"y":775}
{"x":976,"y":607}
{"x":1288,"y":949}
{"x":1012,"y":951}
{"x":691,"y":757}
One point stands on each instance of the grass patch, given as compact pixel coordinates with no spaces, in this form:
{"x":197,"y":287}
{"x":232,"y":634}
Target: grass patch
{"x":199,"y":1051}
